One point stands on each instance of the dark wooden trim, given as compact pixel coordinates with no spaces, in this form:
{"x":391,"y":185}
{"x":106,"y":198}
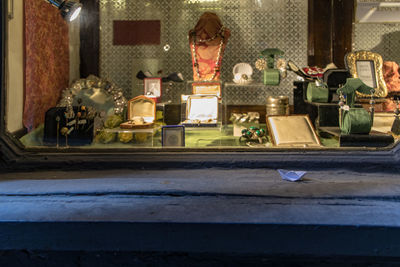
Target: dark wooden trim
{"x":19,"y":133}
{"x":90,"y":38}
{"x":15,"y":157}
{"x":319,"y":32}
{"x":343,"y":12}
{"x":330,"y":31}
{"x":3,"y":45}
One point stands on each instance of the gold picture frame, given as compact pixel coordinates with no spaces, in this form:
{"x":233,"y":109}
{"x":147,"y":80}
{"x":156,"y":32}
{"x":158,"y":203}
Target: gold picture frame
{"x":292,"y":131}
{"x":368,"y":66}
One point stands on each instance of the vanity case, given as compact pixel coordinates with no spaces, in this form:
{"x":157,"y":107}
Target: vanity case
{"x":294,"y":131}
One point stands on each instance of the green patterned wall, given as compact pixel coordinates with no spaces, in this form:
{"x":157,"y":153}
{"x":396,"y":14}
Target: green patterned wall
{"x":254,"y":24}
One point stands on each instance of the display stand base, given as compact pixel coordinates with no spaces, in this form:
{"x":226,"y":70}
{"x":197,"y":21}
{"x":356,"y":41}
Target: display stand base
{"x":200,"y":125}
{"x":374,"y":139}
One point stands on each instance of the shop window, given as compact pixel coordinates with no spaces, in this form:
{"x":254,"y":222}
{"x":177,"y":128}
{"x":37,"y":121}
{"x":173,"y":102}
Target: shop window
{"x":229,"y":74}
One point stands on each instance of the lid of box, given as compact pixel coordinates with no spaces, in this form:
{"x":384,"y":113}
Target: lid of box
{"x":202,"y":107}
{"x":142,"y":107}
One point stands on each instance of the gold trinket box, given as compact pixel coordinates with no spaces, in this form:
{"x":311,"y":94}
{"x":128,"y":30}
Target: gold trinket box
{"x":141,"y":113}
{"x":292,"y":131}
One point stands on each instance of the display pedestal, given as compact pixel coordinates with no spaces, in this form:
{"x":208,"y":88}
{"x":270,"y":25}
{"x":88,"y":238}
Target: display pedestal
{"x":244,"y":98}
{"x":374,"y":139}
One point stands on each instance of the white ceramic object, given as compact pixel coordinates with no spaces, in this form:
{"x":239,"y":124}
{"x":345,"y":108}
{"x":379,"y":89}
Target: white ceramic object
{"x":242,"y":81}
{"x":241,"y":70}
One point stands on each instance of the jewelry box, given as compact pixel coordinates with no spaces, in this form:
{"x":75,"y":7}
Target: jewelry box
{"x":141,"y":113}
{"x":201,"y":111}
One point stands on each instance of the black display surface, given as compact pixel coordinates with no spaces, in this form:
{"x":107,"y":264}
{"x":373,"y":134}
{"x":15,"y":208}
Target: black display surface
{"x":80,"y":131}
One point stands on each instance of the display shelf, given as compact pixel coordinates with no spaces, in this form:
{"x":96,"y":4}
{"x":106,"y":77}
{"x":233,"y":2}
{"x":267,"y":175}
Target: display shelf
{"x":218,"y":127}
{"x":252,"y":84}
{"x":246,"y":94}
{"x":373,"y":139}
{"x":171,"y":91}
{"x":251,"y":97}
{"x":140,"y":137}
{"x":208,"y":137}
{"x":152,"y":130}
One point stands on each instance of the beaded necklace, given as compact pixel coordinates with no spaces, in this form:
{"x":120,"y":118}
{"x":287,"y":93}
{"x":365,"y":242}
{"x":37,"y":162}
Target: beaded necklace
{"x":196,"y":64}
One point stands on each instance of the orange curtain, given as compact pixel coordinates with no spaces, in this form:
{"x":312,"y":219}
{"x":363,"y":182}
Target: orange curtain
{"x":46,"y":59}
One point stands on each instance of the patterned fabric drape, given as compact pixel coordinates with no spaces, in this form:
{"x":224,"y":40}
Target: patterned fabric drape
{"x":46,"y":59}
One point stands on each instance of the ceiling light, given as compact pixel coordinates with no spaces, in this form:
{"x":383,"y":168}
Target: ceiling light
{"x":69,"y":9}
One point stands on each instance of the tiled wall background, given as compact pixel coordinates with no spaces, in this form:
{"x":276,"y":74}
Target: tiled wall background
{"x":254,"y":24}
{"x":385,"y":39}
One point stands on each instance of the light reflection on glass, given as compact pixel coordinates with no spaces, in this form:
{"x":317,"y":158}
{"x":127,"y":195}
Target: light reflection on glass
{"x":167,"y":47}
{"x":199,"y":1}
{"x":119,"y":4}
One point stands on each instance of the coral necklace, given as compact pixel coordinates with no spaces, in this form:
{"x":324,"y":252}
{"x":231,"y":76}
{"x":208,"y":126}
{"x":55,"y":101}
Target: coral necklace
{"x":196,"y":63}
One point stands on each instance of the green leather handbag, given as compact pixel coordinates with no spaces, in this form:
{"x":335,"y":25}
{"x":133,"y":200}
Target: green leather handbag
{"x":315,"y":93}
{"x":272,"y":77}
{"x":355,"y":121}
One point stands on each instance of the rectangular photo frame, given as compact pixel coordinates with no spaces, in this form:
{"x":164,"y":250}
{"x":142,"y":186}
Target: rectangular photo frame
{"x":366,"y":72}
{"x":153,"y":88}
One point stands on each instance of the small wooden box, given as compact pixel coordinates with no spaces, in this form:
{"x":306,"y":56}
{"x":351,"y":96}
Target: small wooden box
{"x":141,"y":113}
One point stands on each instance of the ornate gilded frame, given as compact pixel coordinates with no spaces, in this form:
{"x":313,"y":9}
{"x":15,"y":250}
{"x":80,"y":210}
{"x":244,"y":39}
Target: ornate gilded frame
{"x":351,"y":60}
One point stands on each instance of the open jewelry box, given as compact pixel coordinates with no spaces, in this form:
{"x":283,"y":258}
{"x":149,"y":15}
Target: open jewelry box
{"x":141,"y":113}
{"x":201,"y":111}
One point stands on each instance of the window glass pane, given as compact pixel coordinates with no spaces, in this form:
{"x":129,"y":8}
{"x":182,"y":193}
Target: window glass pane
{"x":225,"y":74}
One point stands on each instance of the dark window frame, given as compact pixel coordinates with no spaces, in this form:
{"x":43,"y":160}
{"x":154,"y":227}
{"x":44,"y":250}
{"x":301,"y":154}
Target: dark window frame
{"x":15,"y":157}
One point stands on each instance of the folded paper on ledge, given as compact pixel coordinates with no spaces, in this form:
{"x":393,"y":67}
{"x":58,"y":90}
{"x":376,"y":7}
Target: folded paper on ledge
{"x":291,"y":176}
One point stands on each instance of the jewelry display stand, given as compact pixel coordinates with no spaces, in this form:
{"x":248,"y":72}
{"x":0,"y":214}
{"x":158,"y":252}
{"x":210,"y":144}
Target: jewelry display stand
{"x":396,"y":123}
{"x":373,"y":139}
{"x":207,"y":43}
